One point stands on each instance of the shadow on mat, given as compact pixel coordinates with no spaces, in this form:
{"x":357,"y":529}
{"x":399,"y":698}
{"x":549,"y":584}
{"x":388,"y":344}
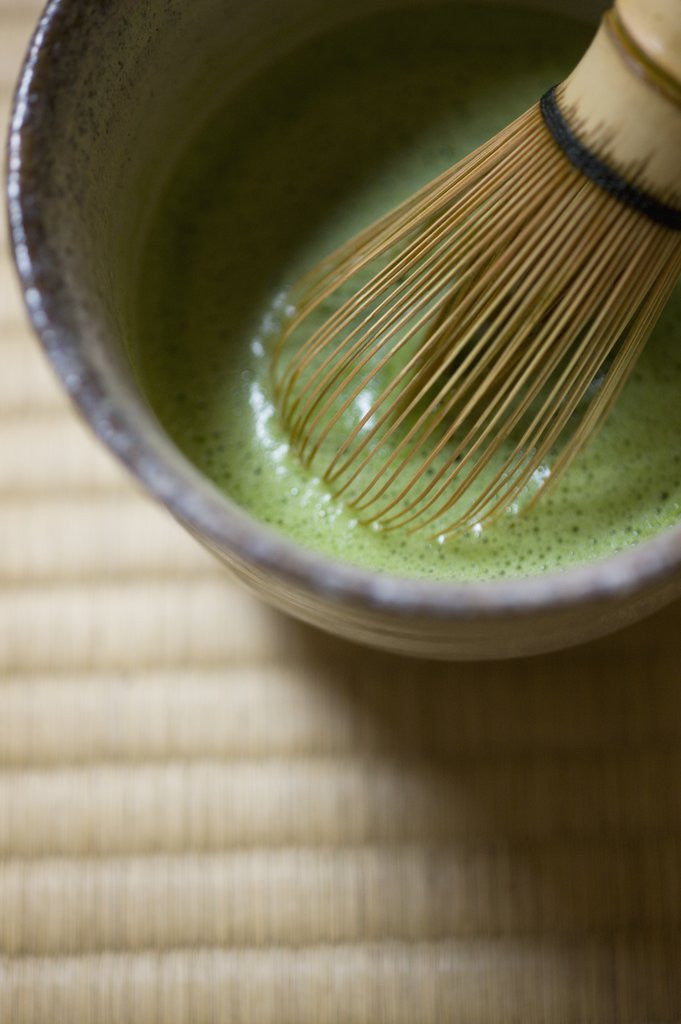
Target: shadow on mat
{"x":543,"y":798}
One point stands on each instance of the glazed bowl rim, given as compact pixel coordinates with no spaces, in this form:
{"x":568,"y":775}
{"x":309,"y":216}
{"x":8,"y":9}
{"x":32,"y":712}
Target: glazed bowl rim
{"x":193,"y":500}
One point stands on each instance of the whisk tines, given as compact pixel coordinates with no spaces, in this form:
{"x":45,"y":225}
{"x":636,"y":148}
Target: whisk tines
{"x":451,"y":361}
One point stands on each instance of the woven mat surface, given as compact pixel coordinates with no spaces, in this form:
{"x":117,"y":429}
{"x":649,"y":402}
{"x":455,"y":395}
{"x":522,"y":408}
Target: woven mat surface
{"x":211,"y":815}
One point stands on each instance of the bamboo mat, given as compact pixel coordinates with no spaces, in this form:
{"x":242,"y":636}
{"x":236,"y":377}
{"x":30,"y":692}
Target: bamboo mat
{"x":211,"y":815}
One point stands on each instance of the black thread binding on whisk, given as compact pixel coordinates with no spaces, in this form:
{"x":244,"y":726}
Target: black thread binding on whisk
{"x":596,"y":170}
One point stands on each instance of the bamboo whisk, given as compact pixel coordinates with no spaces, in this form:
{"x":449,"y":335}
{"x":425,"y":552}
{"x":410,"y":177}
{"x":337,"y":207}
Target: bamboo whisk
{"x":469,"y":343}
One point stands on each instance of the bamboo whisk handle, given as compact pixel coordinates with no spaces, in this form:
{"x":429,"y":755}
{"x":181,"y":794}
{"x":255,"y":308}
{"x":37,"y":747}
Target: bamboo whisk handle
{"x":624,"y":96}
{"x":656,"y":27}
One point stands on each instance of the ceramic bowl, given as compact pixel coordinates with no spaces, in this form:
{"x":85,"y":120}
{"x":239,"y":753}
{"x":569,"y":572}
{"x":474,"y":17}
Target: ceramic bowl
{"x":105,"y":98}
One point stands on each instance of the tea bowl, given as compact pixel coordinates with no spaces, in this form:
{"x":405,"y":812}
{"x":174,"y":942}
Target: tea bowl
{"x":106,"y":100}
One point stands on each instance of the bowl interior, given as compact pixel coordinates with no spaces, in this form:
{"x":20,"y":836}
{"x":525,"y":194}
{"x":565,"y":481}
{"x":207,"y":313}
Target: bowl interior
{"x":117,"y":93}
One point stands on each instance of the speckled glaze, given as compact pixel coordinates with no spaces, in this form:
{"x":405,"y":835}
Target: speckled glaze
{"x":108,"y":94}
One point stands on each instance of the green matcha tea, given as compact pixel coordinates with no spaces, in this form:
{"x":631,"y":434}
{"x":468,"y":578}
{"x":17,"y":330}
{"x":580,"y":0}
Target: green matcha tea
{"x":310,"y":151}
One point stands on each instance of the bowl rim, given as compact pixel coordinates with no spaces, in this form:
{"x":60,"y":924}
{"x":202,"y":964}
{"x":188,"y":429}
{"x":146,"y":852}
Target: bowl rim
{"x":211,"y":515}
